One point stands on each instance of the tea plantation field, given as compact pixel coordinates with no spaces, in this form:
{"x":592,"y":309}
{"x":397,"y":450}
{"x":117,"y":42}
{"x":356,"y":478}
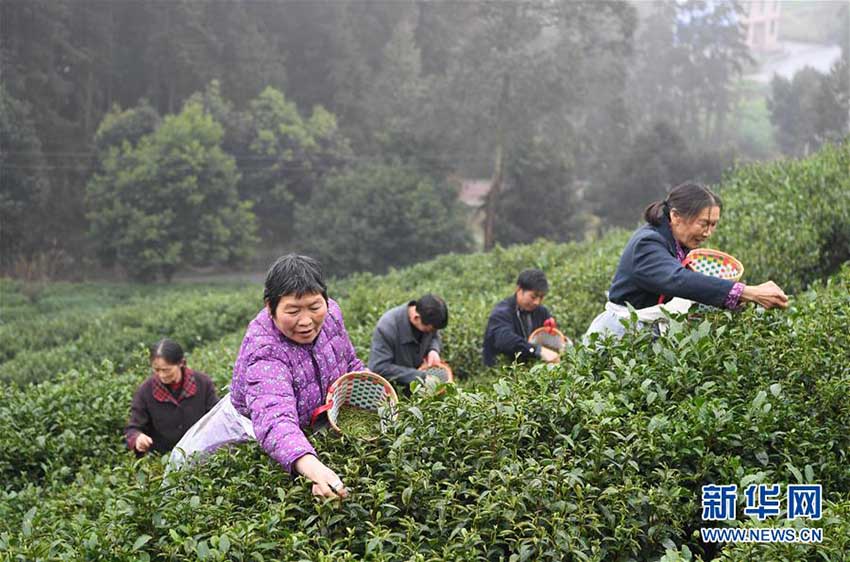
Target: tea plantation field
{"x":599,"y":458}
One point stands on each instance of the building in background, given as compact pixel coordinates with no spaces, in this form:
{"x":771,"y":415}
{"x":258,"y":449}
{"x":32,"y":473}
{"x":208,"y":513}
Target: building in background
{"x":761,"y":20}
{"x":473,"y":194}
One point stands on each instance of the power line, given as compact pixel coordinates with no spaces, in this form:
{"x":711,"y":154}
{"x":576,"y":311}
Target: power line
{"x":237,"y":155}
{"x":247,"y":163}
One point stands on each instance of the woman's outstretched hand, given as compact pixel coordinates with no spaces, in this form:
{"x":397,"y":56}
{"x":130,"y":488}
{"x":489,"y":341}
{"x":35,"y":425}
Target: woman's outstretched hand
{"x":143,"y":443}
{"x":325,"y":481}
{"x":549,"y":356}
{"x":768,"y":294}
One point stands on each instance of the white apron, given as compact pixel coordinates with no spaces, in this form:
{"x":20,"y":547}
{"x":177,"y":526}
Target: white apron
{"x":608,"y":322}
{"x":220,"y":426}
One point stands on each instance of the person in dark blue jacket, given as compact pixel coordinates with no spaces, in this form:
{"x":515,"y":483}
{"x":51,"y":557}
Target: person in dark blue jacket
{"x":513,"y":320}
{"x":650,"y":272}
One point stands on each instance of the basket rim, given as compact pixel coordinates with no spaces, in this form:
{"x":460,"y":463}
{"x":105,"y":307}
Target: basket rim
{"x":445,"y":366}
{"x":718,"y":254}
{"x":361,"y":375}
{"x":549,"y":331}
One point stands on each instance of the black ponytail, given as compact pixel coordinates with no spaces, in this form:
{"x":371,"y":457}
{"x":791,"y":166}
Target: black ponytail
{"x":656,"y":212}
{"x":688,"y":199}
{"x":167,"y":349}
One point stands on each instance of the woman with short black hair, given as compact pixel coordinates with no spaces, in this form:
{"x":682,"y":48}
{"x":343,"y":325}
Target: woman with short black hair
{"x":650,"y":272}
{"x":292,"y":352}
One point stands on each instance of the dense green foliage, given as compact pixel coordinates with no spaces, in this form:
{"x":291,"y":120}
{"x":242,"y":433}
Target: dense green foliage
{"x":538,"y":200}
{"x":789,"y":220}
{"x":119,"y":126}
{"x":452,"y":89}
{"x":59,"y":425}
{"x":599,"y":458}
{"x":656,"y":161}
{"x":811,"y":108}
{"x":24,"y":180}
{"x":690,"y":54}
{"x":284,"y":157}
{"x":376,"y":216}
{"x":170,"y":201}
{"x":40,"y":348}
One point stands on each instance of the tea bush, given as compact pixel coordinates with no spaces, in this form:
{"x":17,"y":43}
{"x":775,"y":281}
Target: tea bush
{"x":578,"y":276}
{"x":62,"y":311}
{"x":116,"y":335}
{"x":789,"y":220}
{"x":599,"y":458}
{"x":54,"y":427}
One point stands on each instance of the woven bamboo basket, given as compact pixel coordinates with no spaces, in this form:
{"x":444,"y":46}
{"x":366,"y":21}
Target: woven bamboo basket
{"x":366,"y":391}
{"x":550,"y":338}
{"x":441,"y":371}
{"x":714,"y":263}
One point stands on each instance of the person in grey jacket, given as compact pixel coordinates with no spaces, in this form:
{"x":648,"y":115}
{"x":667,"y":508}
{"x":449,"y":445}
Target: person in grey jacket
{"x":406,"y":337}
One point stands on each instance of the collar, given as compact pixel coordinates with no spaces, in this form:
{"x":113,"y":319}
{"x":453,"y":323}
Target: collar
{"x":405,"y":328}
{"x":515,"y":307}
{"x":188,"y":388}
{"x":678,"y":251}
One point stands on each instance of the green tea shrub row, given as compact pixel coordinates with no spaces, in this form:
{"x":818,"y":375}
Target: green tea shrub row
{"x":116,"y":336}
{"x":600,"y":458}
{"x":789,"y":220}
{"x":578,"y":276}
{"x":63,"y":311}
{"x":24,"y":299}
{"x":54,"y":427}
{"x":836,"y":545}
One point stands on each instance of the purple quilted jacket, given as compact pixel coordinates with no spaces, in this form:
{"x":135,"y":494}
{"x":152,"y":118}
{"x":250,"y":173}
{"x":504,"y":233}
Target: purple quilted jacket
{"x":278,"y":383}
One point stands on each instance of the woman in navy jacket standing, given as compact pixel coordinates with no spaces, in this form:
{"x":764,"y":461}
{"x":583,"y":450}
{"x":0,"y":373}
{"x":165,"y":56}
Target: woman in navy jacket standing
{"x":650,"y":272}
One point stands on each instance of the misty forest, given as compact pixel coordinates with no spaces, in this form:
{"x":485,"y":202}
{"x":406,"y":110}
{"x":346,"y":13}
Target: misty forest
{"x":145,"y":139}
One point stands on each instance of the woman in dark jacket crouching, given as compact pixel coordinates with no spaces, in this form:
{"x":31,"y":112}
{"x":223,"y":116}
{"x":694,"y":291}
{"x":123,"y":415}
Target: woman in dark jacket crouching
{"x":650,"y":273}
{"x":169,"y":402}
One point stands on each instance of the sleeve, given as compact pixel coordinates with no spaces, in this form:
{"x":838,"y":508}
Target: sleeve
{"x":507,"y":341}
{"x":274,"y":414}
{"x":140,"y":419}
{"x":733,"y":299}
{"x":381,"y":360}
{"x":656,"y":271}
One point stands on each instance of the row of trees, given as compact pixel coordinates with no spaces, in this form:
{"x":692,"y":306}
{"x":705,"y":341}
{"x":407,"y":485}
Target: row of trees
{"x":198,"y":187}
{"x":812,"y":107}
{"x":565,"y":106}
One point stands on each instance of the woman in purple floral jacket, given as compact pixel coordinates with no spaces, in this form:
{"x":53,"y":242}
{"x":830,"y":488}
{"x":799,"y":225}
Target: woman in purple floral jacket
{"x":294,"y":349}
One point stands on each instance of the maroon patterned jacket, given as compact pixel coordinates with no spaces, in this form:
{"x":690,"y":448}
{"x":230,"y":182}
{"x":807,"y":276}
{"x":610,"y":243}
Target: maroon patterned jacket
{"x":164,"y":418}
